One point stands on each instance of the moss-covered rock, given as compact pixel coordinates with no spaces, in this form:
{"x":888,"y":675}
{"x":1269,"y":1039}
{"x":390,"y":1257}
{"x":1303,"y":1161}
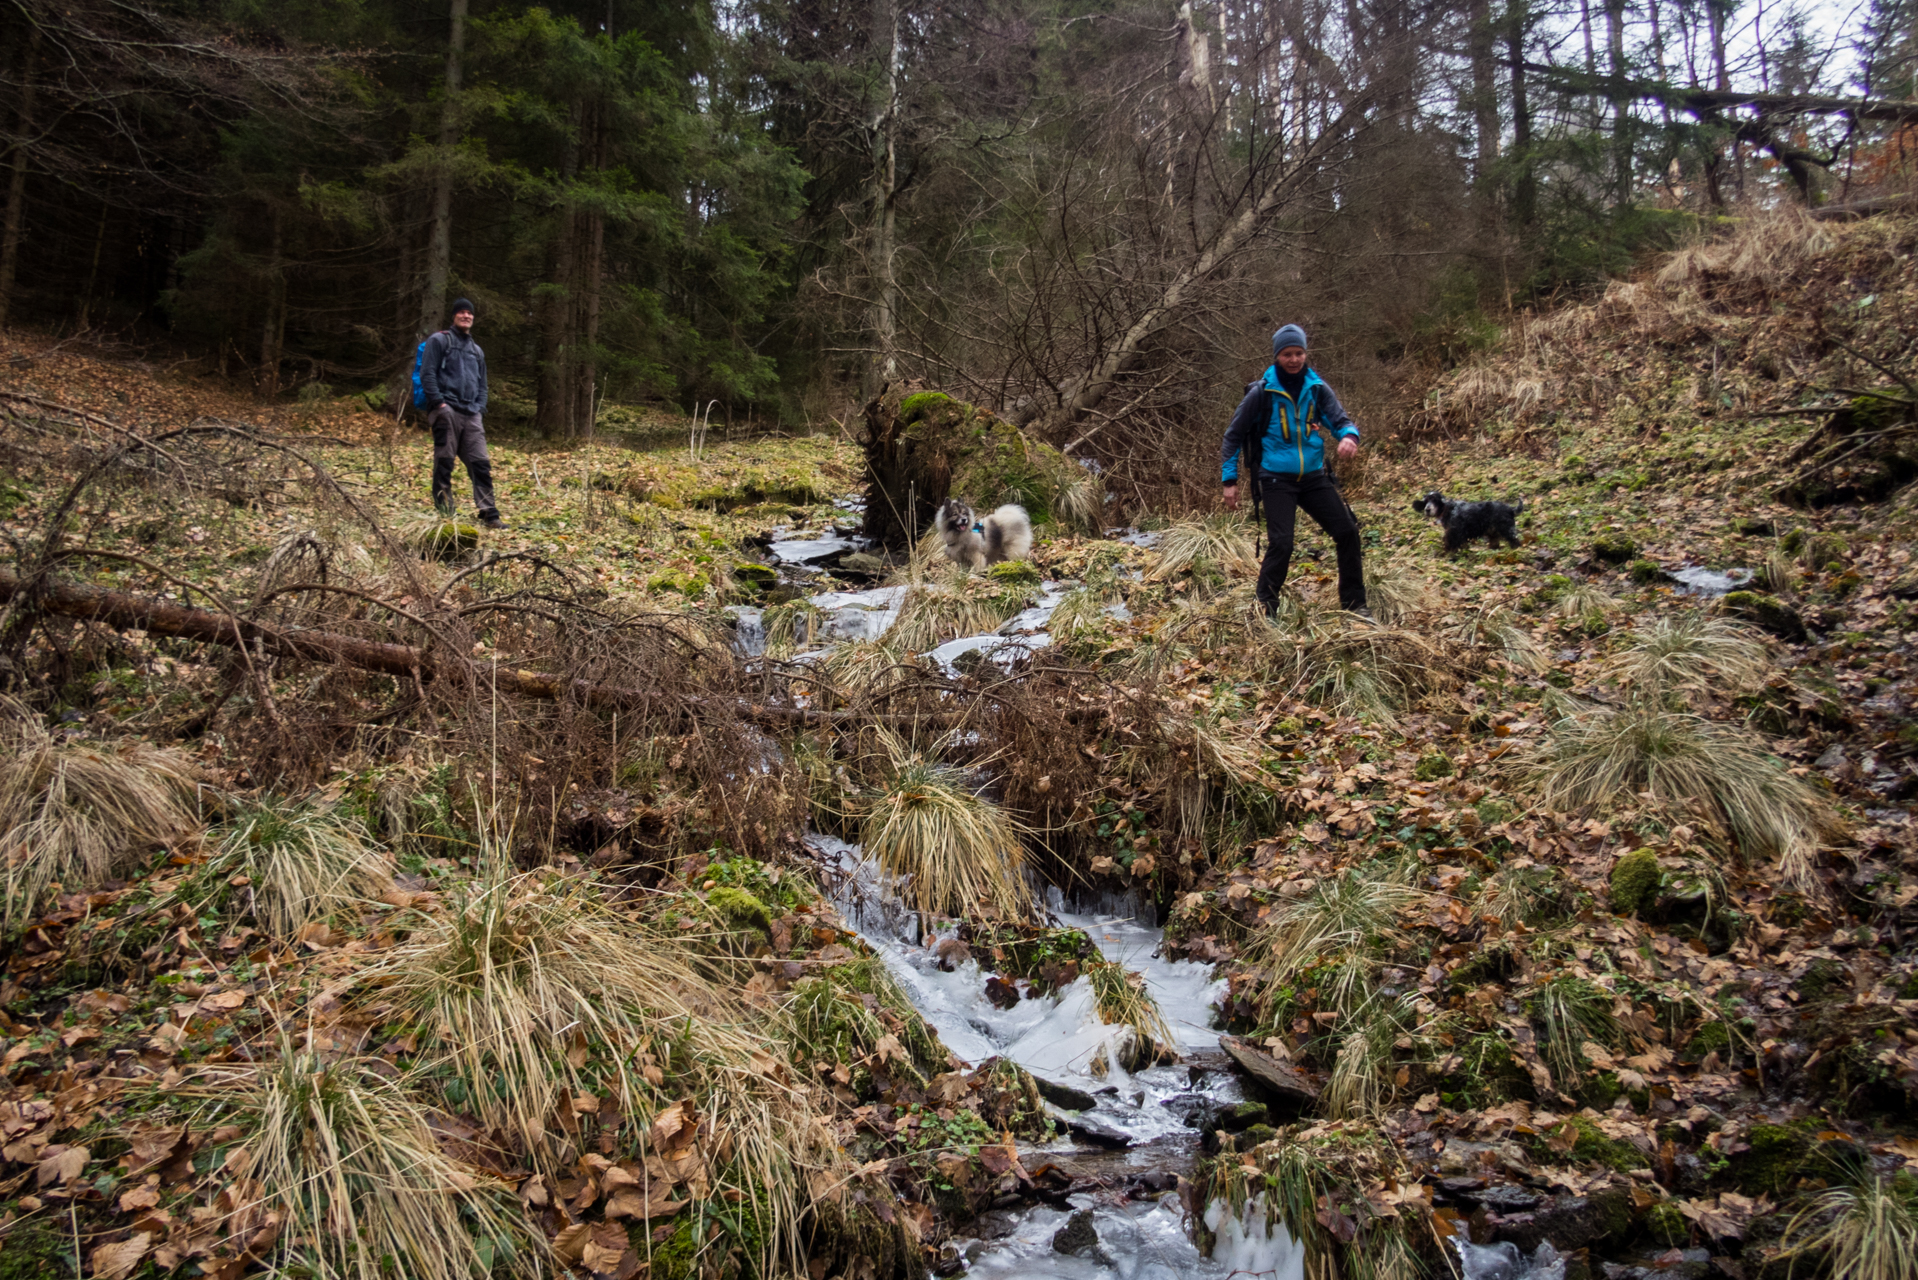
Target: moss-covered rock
{"x":923,"y":447}
{"x":1753,"y":527}
{"x":1243,"y":1116}
{"x":1647,"y":572}
{"x":740,"y":909}
{"x":1773,"y":1159}
{"x":1666,"y":1225}
{"x":684,"y":581}
{"x":1434,"y":765}
{"x":1712,"y":1037}
{"x":1635,"y":882}
{"x":1614,"y":548}
{"x":446,"y":539}
{"x":1021,"y":574}
{"x":754,"y":576}
{"x":1768,"y":613}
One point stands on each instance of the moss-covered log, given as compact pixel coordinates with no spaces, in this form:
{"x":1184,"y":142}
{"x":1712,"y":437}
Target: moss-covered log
{"x":923,"y":447}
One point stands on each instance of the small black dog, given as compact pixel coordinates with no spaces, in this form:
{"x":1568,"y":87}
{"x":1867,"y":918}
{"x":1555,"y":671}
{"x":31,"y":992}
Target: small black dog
{"x":1463,"y":521}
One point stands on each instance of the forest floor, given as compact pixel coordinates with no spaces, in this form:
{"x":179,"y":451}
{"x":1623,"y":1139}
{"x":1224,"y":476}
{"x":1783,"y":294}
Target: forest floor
{"x":1581,"y":893}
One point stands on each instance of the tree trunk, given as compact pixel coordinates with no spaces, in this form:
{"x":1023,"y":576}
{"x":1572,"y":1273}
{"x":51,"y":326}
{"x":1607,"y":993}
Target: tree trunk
{"x":882,"y":193}
{"x":274,"y":328}
{"x":1484,"y":90}
{"x":592,"y":256}
{"x":17,"y":180}
{"x":1621,"y":106}
{"x":553,"y":415}
{"x":439,"y":249}
{"x":1524,"y":184}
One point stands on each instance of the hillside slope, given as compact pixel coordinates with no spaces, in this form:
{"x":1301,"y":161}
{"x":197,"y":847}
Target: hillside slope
{"x":1577,"y":906}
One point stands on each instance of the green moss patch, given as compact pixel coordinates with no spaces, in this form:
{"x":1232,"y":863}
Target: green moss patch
{"x":1636,"y":880}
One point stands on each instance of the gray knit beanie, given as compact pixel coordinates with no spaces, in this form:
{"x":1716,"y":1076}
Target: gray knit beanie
{"x":1290,"y":335}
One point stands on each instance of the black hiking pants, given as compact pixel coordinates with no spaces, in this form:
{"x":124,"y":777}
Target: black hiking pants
{"x":461,"y":437}
{"x":1314,"y":492}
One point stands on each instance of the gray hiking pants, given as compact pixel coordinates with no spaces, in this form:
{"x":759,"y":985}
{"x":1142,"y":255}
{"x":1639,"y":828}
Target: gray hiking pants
{"x":461,"y":436}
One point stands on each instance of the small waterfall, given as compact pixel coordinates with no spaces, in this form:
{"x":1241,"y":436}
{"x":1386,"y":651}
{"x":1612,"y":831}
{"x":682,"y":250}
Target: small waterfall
{"x":1060,"y":1039}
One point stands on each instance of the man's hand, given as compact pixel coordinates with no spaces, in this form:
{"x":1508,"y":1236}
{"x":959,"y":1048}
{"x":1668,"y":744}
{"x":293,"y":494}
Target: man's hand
{"x":1231,"y":495}
{"x":1348,"y":447}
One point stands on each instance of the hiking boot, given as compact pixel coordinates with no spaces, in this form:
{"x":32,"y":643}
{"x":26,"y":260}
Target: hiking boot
{"x":1364,"y":615}
{"x":492,"y":521}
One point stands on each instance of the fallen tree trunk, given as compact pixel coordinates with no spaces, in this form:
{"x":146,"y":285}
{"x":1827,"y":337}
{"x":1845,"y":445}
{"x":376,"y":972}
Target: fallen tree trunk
{"x":126,"y":611}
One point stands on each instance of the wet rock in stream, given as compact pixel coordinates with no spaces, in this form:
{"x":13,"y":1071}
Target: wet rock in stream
{"x":1080,"y":1239}
{"x":1098,"y":1132}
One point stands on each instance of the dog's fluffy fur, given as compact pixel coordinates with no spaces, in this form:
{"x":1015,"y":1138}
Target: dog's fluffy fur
{"x":1463,"y":521}
{"x":1006,"y":534}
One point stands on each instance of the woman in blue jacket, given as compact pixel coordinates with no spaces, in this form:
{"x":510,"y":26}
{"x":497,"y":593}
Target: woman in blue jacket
{"x":1281,"y":424}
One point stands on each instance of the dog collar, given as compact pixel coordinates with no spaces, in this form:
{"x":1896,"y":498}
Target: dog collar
{"x":979,"y":528}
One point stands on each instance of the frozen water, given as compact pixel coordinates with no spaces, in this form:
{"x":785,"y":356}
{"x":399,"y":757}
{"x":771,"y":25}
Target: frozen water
{"x":1146,"y":1241}
{"x":1503,"y":1261}
{"x":1057,"y":1036}
{"x":1246,"y":1244}
{"x":1003,"y":650}
{"x":1039,"y":615}
{"x":1700,"y":581}
{"x":860,"y":615}
{"x":749,"y":630}
{"x":808,"y":550}
{"x":1186,"y":990}
{"x":1136,"y":537}
{"x":1060,"y":1038}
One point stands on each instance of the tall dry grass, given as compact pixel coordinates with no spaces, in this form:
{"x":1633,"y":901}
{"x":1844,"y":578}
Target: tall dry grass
{"x":300,"y":864}
{"x":532,"y":990}
{"x":954,"y":850}
{"x":358,"y":1179}
{"x":77,"y":814}
{"x":1600,"y":756}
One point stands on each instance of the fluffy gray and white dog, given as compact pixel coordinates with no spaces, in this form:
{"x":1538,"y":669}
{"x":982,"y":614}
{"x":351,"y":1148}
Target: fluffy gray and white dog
{"x":1006,"y":534}
{"x":1463,"y":521}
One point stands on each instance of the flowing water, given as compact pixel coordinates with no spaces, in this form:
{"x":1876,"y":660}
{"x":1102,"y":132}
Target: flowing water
{"x":1142,"y":1127}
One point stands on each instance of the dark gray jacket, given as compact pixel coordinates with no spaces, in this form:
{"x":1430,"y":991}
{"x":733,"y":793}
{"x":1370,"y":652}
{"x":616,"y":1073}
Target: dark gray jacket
{"x":453,"y":372}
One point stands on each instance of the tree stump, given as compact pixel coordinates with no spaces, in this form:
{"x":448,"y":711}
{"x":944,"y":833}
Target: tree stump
{"x":923,"y":447}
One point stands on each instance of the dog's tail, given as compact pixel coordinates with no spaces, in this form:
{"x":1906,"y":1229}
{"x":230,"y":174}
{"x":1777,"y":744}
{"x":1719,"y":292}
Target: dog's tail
{"x":1518,"y":506}
{"x":1009,"y":533}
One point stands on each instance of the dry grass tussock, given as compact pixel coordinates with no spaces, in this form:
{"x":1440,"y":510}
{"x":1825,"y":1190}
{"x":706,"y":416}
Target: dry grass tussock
{"x":954,"y":850}
{"x":1215,"y":544}
{"x":1122,"y":1000}
{"x":1595,"y":757}
{"x":1691,"y":648}
{"x":1345,"y":916}
{"x":869,"y":668}
{"x":1371,"y":672}
{"x":301,"y":864}
{"x":1484,"y":390}
{"x":80,"y":813}
{"x":533,"y":990}
{"x":1503,"y":632}
{"x":1766,"y":249}
{"x":1395,"y":591}
{"x":942,"y":609}
{"x":1866,"y":1228}
{"x":358,"y":1181}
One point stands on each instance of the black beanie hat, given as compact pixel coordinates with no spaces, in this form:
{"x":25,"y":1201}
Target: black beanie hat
{"x":462,"y":304}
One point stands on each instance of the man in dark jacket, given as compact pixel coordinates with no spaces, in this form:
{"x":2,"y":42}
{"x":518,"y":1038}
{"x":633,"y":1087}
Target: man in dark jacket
{"x":1285,"y":415}
{"x":453,"y":378}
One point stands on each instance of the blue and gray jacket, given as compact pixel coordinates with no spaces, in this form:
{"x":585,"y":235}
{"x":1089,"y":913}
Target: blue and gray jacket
{"x":453,"y":372}
{"x":1293,"y":442}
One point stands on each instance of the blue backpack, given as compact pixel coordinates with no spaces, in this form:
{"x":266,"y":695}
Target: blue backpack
{"x":419,"y":357}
